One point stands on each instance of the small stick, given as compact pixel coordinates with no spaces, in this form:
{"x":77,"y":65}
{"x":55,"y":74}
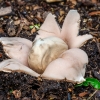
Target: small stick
{"x":92,"y":95}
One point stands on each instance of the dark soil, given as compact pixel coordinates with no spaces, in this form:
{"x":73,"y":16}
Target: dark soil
{"x":19,"y":86}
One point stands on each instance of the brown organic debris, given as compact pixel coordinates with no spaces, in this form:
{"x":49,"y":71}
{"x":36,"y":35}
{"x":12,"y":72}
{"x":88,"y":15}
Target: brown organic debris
{"x":17,"y":93}
{"x":33,"y":30}
{"x":10,"y":28}
{"x":26,"y":98}
{"x":23,"y":22}
{"x":1,"y":30}
{"x":94,"y":13}
{"x":83,"y":94}
{"x":50,"y":1}
{"x":5,"y":11}
{"x":0,"y":54}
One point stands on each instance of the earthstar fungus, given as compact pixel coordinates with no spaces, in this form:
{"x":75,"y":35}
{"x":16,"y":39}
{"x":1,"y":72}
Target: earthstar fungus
{"x":48,"y":55}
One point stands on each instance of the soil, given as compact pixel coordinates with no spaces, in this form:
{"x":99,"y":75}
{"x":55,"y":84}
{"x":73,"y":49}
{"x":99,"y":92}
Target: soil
{"x":25,"y":13}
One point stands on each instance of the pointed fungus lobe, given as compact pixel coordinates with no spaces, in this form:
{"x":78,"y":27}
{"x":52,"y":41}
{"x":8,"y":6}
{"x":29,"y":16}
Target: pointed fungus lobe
{"x":44,"y":51}
{"x":17,"y":51}
{"x":70,"y":30}
{"x":70,"y":65}
{"x":17,"y":48}
{"x":12,"y":65}
{"x":8,"y":40}
{"x":49,"y":28}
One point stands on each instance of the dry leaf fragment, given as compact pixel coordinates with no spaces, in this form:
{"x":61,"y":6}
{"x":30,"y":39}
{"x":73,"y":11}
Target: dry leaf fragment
{"x":33,"y":30}
{"x":17,"y":22}
{"x":17,"y":93}
{"x":35,"y":7}
{"x":73,"y":2}
{"x":94,"y":13}
{"x":83,"y":94}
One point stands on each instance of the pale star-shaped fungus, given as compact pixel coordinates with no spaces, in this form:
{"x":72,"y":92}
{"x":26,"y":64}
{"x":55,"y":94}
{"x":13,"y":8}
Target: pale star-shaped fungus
{"x":69,"y":64}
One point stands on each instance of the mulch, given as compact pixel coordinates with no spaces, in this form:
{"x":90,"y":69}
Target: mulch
{"x":25,"y":13}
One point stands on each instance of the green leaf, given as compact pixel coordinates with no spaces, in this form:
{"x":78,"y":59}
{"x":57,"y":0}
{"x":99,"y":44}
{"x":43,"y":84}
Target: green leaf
{"x":90,"y":81}
{"x":31,"y":27}
{"x":37,"y":26}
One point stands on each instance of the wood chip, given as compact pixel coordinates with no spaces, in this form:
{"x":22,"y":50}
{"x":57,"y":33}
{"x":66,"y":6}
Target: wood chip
{"x":94,"y":13}
{"x":1,"y":30}
{"x":83,"y":94}
{"x":5,"y":11}
{"x":35,"y":7}
{"x":33,"y":30}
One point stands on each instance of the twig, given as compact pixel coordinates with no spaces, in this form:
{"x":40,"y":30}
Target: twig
{"x":92,"y":95}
